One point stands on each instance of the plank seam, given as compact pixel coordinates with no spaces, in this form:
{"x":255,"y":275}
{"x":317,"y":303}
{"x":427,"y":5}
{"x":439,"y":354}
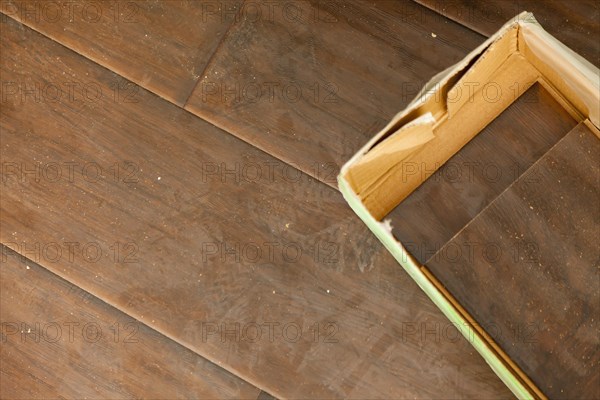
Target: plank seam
{"x":515,"y":182}
{"x":191,"y":348}
{"x":212,"y":56}
{"x":4,"y":249}
{"x":227,"y":131}
{"x":448,"y":17}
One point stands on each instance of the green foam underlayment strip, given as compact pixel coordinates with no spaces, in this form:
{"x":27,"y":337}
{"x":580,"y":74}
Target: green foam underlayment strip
{"x":575,"y":79}
{"x":383,"y":232}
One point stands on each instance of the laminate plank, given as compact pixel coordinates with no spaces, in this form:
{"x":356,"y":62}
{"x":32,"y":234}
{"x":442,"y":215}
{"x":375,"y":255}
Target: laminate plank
{"x":206,"y":255}
{"x":60,"y":342}
{"x":576,"y":23}
{"x":162,"y":46}
{"x":460,"y":189}
{"x":527,"y":269}
{"x":313,"y":81}
{"x":265,"y":396}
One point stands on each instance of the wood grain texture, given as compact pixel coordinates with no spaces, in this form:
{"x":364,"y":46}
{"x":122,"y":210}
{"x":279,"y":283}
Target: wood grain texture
{"x":59,"y":341}
{"x":457,"y":192}
{"x":527,"y":268}
{"x":265,"y":396}
{"x":312,"y":83}
{"x":207,"y":255}
{"x":576,"y":23}
{"x":162,"y":46}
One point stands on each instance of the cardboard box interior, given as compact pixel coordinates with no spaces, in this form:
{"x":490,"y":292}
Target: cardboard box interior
{"x":450,"y":111}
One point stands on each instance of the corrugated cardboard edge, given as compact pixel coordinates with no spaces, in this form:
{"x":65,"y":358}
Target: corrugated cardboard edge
{"x":578,"y":74}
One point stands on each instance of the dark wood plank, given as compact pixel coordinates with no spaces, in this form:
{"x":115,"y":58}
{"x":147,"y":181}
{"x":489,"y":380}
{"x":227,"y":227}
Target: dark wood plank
{"x":314,"y":86}
{"x":527,"y":269}
{"x":60,"y":342}
{"x":265,"y":396}
{"x":445,"y":203}
{"x":162,"y":46}
{"x":576,"y":23}
{"x":188,"y":233}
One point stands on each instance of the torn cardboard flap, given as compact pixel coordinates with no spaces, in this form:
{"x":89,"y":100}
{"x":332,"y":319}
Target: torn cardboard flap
{"x":487,"y":81}
{"x":389,"y":155}
{"x":451,"y":109}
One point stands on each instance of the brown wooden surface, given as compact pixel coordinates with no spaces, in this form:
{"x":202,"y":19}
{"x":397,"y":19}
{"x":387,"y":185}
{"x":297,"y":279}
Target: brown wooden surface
{"x":355,"y":63}
{"x":307,"y":81}
{"x":163,"y":46}
{"x":58,"y":341}
{"x":169,"y":212}
{"x":457,"y":192}
{"x":527,"y":268}
{"x":265,"y":396}
{"x":574,"y":22}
